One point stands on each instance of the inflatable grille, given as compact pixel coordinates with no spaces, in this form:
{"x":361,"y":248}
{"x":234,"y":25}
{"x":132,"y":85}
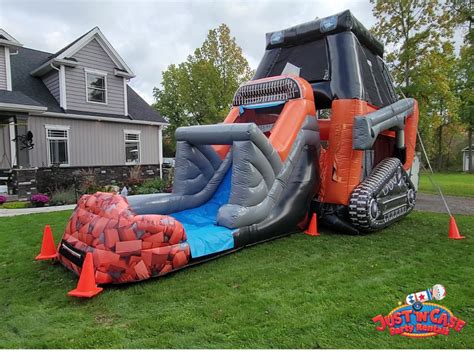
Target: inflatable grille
{"x":268,"y":91}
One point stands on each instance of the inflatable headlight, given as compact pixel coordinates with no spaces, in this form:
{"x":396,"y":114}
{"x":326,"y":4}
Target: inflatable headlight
{"x":328,"y":24}
{"x":277,"y":37}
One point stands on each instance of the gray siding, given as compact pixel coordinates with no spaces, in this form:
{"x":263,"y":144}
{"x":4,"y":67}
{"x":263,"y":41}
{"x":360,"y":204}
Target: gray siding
{"x":92,"y":56}
{"x":51,"y":80}
{"x":5,"y":156}
{"x":3,"y":70}
{"x":94,"y":143}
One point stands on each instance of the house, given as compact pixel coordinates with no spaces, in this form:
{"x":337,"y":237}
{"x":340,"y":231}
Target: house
{"x":72,"y":110}
{"x":465,"y":158}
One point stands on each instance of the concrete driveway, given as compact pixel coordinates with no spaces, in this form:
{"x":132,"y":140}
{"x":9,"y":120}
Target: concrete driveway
{"x":434,"y":203}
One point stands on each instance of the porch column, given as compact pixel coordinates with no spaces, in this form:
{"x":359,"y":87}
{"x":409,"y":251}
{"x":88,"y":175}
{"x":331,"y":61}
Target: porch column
{"x":160,"y":147}
{"x":13,"y":145}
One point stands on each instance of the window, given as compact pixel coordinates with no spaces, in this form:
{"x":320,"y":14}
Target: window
{"x":96,"y":83}
{"x":57,"y":143}
{"x":132,"y":147}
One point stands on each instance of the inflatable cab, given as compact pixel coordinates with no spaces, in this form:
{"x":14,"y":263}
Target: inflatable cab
{"x":245,"y":181}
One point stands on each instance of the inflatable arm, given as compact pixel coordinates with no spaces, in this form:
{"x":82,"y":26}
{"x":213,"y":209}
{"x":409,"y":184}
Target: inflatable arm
{"x":368,"y":127}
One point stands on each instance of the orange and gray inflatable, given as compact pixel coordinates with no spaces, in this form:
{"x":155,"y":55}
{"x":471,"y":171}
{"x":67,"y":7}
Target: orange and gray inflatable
{"x":320,"y":128}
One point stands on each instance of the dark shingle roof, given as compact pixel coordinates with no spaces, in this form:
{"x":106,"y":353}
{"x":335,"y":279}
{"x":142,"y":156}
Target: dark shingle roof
{"x":32,"y":87}
{"x":17,"y":97}
{"x":22,"y":64}
{"x":138,"y":109}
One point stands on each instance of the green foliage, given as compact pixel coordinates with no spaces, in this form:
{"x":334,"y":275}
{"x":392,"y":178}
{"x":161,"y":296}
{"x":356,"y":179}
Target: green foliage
{"x":63,"y":197}
{"x":200,"y":90}
{"x":293,"y":292}
{"x":419,"y":37}
{"x":110,"y":188}
{"x":154,"y":186}
{"x":16,"y":204}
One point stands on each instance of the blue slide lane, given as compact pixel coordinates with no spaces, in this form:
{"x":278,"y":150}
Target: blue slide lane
{"x":204,"y":235}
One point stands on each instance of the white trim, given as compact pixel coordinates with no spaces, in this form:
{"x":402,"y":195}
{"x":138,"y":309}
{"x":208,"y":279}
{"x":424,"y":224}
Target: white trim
{"x":101,"y":118}
{"x":125,"y":98}
{"x":132,"y":131}
{"x":55,"y":126}
{"x":67,"y":139}
{"x":7,"y":43}
{"x":45,"y":68}
{"x":122,"y":74}
{"x":139,"y":133}
{"x":8,"y":68}
{"x":62,"y":87}
{"x":96,"y":33}
{"x":10,"y":38}
{"x":21,"y":108}
{"x":12,"y":133}
{"x":97,"y":73}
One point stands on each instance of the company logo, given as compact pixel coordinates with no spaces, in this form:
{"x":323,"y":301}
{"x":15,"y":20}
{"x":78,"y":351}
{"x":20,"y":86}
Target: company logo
{"x":426,"y":321}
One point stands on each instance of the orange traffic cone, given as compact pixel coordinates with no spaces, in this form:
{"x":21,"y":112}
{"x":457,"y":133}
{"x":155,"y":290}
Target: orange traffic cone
{"x":86,"y":287}
{"x":48,"y":250}
{"x":453,"y":230}
{"x":313,"y":226}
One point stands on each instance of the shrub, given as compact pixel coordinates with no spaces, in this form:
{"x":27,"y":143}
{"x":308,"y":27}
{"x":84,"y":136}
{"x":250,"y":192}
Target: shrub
{"x":88,"y":181}
{"x":110,"y":188}
{"x":3,"y":199}
{"x":151,"y":187}
{"x":16,"y":204}
{"x":63,"y":197}
{"x":135,"y":176}
{"x":39,"y":200}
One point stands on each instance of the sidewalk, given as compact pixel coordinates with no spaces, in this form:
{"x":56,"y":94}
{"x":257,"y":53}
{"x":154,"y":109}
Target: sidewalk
{"x":4,"y":212}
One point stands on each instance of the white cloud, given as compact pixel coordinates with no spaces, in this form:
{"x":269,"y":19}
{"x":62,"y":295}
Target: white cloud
{"x":150,"y":35}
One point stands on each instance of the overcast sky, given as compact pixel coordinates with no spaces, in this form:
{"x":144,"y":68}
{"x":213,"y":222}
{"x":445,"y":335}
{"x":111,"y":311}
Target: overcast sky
{"x":150,"y":35}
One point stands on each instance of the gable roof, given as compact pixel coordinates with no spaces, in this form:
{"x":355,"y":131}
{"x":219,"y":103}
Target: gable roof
{"x":65,"y":55}
{"x":62,"y":50}
{"x":23,"y":83}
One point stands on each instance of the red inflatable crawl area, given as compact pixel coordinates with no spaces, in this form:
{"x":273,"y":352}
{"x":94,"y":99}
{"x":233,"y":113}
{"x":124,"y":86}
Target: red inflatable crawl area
{"x":125,"y":247}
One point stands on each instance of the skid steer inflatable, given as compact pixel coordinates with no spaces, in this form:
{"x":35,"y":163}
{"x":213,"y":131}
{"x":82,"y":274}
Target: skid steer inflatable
{"x":320,"y":128}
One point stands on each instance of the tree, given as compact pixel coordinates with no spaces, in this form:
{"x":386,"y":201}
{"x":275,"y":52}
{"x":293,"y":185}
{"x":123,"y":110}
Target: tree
{"x":200,"y":90}
{"x":462,"y":14}
{"x":434,"y":85}
{"x":466,"y":94}
{"x":409,"y":29}
{"x":418,"y":36}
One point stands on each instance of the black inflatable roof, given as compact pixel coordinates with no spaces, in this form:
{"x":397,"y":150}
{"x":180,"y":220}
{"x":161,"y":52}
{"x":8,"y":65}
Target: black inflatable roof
{"x":317,"y":29}
{"x":337,"y":55}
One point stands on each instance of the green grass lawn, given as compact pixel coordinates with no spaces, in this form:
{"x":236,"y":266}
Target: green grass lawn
{"x":294,"y":292}
{"x":454,"y":184}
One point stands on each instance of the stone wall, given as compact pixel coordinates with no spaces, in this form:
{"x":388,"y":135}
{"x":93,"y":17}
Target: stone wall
{"x":50,"y":179}
{"x":24,"y":183}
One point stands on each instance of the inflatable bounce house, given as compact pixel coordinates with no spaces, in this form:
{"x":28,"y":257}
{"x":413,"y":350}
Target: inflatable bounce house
{"x":270,"y":165}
